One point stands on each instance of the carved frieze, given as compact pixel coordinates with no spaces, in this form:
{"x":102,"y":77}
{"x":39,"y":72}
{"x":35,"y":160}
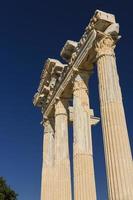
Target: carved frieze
{"x":56,"y":76}
{"x":51,"y":73}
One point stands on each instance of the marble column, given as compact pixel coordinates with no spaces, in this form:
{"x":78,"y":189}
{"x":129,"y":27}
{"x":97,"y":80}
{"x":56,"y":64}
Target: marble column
{"x":47,"y":186}
{"x":62,"y":161}
{"x":116,"y":142}
{"x":84,"y":181}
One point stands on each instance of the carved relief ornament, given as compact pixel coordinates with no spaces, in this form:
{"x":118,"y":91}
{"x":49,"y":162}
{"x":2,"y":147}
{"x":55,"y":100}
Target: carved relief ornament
{"x":105,"y":46}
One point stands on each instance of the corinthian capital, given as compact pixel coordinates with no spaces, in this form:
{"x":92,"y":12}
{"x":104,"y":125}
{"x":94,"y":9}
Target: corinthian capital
{"x":105,"y":46}
{"x":81,"y":80}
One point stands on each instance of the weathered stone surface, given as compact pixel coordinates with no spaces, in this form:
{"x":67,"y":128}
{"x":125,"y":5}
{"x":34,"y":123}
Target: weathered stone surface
{"x":116,"y":143}
{"x":63,"y":82}
{"x":50,"y":76}
{"x":93,"y":120}
{"x":101,"y":20}
{"x":82,"y":54}
{"x":47,"y":185}
{"x":68,"y":50}
{"x":84,"y":183}
{"x":62,"y":162}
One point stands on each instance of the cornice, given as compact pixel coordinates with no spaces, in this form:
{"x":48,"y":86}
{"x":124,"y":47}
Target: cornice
{"x":56,"y":76}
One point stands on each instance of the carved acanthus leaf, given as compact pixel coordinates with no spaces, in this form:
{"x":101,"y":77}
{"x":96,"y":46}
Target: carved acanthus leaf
{"x":105,"y":46}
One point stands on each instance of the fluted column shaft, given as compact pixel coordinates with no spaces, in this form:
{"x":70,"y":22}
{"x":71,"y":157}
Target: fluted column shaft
{"x":62,"y":162}
{"x":84,"y":182}
{"x":116,"y":142}
{"x":47,"y":187}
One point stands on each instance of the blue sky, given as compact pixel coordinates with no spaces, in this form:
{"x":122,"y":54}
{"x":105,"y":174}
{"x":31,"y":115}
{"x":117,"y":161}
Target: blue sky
{"x":30,"y":32}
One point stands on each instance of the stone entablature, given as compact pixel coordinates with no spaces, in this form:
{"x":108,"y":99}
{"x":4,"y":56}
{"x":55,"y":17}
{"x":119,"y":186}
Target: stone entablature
{"x":79,"y":55}
{"x":61,"y":83}
{"x":50,"y":77}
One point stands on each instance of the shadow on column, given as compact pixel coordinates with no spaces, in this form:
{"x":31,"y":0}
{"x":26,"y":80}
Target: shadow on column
{"x":71,"y":157}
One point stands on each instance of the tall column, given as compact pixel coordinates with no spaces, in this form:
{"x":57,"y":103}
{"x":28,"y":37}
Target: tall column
{"x":47,"y":187}
{"x":84,"y":181}
{"x":116,"y":142}
{"x":62,"y":162}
